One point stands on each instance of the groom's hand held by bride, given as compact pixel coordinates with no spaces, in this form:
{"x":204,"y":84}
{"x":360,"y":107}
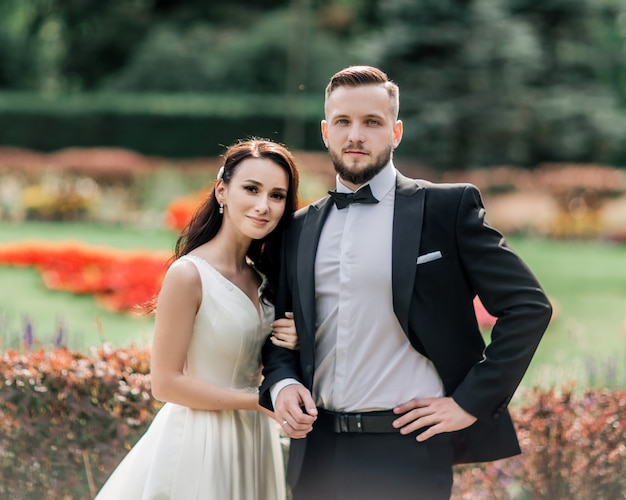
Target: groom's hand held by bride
{"x":295,"y":411}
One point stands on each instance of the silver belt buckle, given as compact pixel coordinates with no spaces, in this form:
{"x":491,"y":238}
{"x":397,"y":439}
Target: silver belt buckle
{"x":344,"y":423}
{"x":359,"y":423}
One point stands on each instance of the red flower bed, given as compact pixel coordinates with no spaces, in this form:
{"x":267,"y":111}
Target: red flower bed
{"x":178,"y":213}
{"x":485,"y":320}
{"x":121,"y":280}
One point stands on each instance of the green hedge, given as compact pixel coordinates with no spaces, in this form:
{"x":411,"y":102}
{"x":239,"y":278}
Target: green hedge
{"x":174,"y":126}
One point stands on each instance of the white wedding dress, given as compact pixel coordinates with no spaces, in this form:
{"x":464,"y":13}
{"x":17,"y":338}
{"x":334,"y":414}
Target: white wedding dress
{"x":214,"y":455}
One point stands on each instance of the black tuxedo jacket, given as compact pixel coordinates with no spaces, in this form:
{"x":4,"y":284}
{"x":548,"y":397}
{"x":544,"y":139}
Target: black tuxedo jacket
{"x":434,"y":304}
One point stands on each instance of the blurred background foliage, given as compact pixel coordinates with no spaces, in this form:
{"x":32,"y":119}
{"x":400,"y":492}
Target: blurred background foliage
{"x":484,"y":82}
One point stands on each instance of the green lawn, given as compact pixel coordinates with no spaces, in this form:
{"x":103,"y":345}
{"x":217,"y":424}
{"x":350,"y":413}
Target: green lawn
{"x":123,"y":237}
{"x":585,"y":280}
{"x":85,"y":322}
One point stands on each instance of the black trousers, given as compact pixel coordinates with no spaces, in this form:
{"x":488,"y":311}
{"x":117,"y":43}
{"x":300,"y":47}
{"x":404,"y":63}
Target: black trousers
{"x":386,"y":466}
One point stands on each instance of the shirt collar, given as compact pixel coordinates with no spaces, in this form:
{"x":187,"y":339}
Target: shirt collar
{"x":380,"y":184}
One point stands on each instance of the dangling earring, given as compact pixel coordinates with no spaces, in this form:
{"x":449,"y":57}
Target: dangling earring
{"x":221,"y":209}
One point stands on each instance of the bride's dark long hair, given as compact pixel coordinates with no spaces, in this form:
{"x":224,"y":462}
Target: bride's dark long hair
{"x":206,"y":221}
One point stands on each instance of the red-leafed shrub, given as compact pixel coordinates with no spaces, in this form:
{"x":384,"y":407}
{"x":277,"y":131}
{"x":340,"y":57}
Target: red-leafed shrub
{"x":66,"y":419}
{"x":574,"y":447}
{"x":106,"y":166}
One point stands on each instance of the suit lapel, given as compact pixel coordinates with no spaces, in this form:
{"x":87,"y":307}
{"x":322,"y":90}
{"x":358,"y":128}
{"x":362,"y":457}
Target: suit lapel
{"x":307,"y":250}
{"x":407,"y":229}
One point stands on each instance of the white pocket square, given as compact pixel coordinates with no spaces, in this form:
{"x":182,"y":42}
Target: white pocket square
{"x":428,"y":257}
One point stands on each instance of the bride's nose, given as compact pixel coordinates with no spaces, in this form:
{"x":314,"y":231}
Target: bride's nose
{"x":262,"y":206}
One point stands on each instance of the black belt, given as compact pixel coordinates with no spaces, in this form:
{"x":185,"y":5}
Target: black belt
{"x":367,"y":422}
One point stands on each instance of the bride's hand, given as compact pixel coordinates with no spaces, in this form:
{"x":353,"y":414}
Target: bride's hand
{"x":284,"y":332}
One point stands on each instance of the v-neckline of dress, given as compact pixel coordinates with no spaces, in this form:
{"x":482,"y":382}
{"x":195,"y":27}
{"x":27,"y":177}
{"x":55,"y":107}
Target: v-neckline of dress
{"x":256,"y":306}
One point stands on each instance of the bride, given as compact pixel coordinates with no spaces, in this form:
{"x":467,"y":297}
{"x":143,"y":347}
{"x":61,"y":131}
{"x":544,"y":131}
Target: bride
{"x":212,"y":439}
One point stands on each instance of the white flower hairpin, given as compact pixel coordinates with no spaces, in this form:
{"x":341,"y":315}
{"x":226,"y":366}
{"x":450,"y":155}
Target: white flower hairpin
{"x":220,"y":173}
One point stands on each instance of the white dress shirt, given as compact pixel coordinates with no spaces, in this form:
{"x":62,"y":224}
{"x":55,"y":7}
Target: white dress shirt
{"x":363,"y":358}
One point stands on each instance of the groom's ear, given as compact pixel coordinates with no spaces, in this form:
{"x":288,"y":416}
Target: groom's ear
{"x":324,"y":127}
{"x":398,"y":129}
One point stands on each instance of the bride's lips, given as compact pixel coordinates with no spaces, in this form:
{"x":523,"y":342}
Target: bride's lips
{"x":258,"y":221}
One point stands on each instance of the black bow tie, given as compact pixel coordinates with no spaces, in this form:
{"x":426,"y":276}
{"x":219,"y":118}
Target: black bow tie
{"x":363,"y":195}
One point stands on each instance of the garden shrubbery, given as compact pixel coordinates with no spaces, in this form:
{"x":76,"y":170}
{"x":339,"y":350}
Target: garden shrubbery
{"x":112,"y":185}
{"x":574,"y":447}
{"x":66,"y":419}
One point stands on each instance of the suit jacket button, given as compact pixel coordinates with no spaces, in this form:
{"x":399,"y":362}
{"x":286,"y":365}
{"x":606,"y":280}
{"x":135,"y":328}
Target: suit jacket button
{"x":309,"y":369}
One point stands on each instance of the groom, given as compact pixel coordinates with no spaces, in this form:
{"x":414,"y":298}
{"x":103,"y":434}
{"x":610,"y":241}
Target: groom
{"x":393,"y":383}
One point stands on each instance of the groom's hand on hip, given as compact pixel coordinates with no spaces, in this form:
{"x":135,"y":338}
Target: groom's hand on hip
{"x":295,"y":410}
{"x":438,"y":414}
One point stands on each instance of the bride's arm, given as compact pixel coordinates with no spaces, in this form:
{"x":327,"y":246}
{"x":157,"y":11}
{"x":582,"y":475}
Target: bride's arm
{"x":178,"y":303}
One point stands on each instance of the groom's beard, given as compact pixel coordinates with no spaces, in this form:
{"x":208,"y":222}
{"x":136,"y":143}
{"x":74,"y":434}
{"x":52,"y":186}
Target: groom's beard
{"x":360,"y":175}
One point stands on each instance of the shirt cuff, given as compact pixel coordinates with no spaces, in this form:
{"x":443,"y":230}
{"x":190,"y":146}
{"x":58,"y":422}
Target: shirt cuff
{"x":279,"y":386}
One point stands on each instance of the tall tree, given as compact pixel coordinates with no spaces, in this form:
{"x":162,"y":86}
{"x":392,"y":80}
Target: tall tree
{"x":478,"y":75}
